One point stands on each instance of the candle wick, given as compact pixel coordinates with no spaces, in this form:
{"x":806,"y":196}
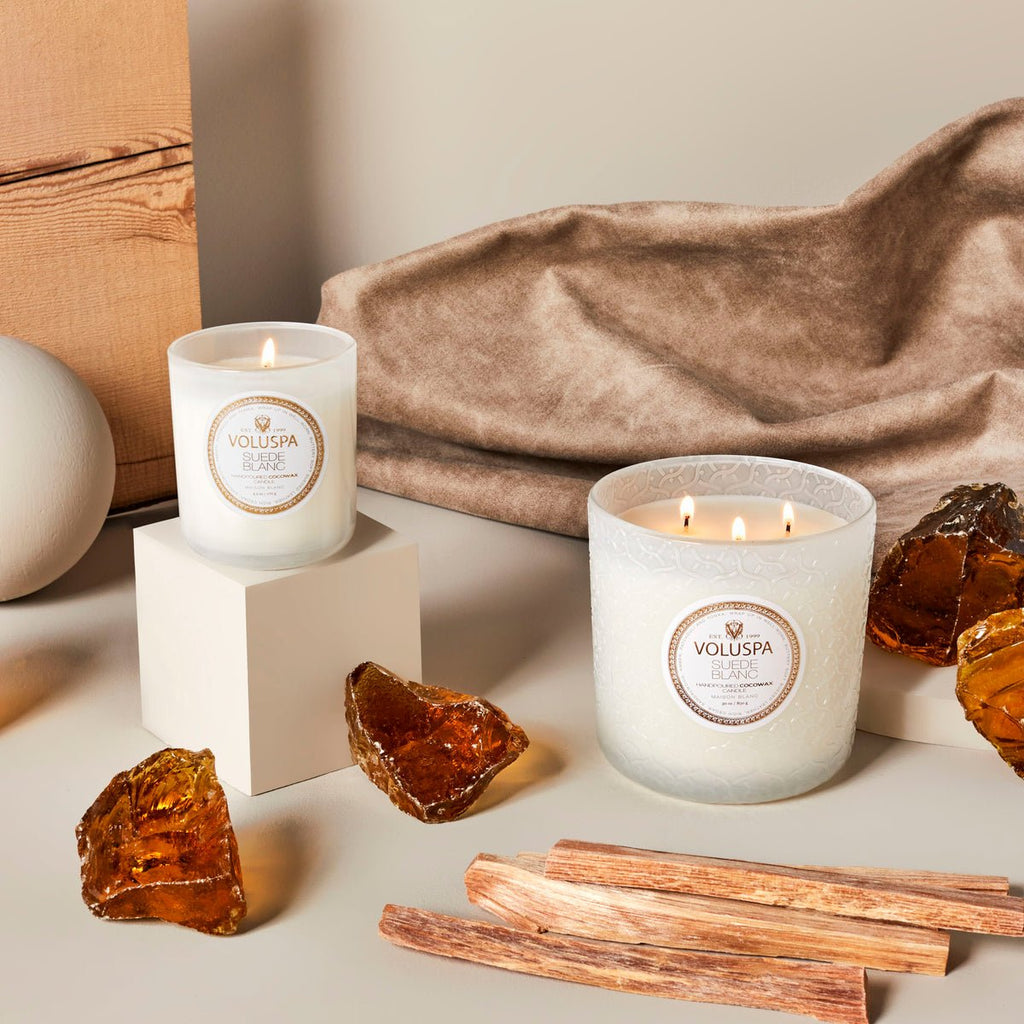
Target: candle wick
{"x":686,"y":511}
{"x":789,"y":529}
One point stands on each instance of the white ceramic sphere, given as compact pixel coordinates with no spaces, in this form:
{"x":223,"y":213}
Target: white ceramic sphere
{"x":56,"y":468}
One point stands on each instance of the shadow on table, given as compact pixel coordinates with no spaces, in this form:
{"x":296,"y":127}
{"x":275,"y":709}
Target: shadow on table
{"x":108,"y":561}
{"x":30,"y":676}
{"x":960,"y":945}
{"x":879,"y":989}
{"x":276,"y":863}
{"x":867,"y":749}
{"x":475,"y":644}
{"x":964,"y":945}
{"x":538,"y":764}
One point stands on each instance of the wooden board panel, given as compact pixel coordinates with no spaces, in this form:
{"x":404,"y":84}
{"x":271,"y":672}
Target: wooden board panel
{"x":89,"y":80}
{"x":99,"y":266}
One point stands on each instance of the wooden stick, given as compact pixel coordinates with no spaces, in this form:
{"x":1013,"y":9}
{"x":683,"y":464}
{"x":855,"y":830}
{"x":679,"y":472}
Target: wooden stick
{"x":902,"y":878}
{"x":518,"y":892}
{"x":830,"y":891}
{"x":906,"y":878}
{"x":827,"y":992}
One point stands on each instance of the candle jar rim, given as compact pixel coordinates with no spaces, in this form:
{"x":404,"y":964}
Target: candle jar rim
{"x":598,"y":497}
{"x":333,"y":344}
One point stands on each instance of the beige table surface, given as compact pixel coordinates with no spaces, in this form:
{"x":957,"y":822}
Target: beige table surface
{"x":505,"y":614}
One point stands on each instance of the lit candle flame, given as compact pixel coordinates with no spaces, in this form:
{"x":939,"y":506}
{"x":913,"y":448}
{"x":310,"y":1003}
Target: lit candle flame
{"x":686,"y":510}
{"x":269,"y":354}
{"x":739,"y":529}
{"x":787,"y":518}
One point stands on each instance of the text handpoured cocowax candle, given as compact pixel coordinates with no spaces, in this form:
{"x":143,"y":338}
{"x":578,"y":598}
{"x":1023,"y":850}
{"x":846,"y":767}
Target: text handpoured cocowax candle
{"x":728,"y":670}
{"x":264,"y":421}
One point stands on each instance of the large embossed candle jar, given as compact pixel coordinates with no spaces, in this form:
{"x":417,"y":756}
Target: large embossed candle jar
{"x":264,"y":442}
{"x":729,"y":600}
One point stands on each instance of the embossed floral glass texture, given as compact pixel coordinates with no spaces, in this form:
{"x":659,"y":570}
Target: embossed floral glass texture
{"x":804,"y":595}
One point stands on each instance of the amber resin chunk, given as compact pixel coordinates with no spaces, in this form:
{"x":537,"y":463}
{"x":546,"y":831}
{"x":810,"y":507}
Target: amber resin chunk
{"x":962,"y":562}
{"x":432,"y":750}
{"x":158,"y":842}
{"x":990,"y":682}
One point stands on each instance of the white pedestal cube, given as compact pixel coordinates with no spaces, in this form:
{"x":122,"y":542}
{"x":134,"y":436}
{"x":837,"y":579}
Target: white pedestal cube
{"x":252,"y":664}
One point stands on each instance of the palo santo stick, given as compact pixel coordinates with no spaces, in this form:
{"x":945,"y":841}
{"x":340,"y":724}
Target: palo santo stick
{"x":825,"y":991}
{"x":518,"y":892}
{"x":902,"y":878}
{"x":906,"y":878}
{"x":779,"y":885}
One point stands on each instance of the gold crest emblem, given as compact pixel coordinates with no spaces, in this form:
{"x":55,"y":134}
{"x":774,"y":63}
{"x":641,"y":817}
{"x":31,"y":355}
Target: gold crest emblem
{"x":262,"y":424}
{"x":734,"y":629}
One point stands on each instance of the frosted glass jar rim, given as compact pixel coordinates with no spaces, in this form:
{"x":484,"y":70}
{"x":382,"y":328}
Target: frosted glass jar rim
{"x":325,"y":344}
{"x":601,"y":491}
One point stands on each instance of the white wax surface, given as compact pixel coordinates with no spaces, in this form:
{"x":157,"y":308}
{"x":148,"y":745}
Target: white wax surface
{"x":714,"y":514}
{"x":281,"y":362}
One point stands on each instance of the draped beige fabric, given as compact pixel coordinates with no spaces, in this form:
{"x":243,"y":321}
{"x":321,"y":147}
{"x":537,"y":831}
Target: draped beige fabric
{"x":504,"y":370}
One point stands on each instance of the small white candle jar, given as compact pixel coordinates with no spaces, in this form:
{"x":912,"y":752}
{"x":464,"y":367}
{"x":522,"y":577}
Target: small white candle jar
{"x":729,"y":671}
{"x":264,"y":421}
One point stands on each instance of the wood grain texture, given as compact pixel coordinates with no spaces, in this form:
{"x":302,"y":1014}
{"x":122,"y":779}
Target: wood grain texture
{"x":820,"y":889}
{"x":823,"y":991}
{"x":100,"y":268}
{"x":90,"y":80}
{"x":902,"y":878}
{"x":518,"y":892}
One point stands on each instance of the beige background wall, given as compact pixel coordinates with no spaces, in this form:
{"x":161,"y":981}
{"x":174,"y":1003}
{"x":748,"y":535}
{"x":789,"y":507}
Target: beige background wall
{"x":330,"y":133}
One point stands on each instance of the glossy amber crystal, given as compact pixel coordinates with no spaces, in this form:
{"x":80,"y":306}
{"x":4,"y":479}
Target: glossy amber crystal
{"x":158,"y":842}
{"x":432,"y":750}
{"x":990,"y":682}
{"x":962,"y":562}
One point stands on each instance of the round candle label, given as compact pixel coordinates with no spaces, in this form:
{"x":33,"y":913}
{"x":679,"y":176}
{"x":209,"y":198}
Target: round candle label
{"x":734,"y":662}
{"x":266,"y":453}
